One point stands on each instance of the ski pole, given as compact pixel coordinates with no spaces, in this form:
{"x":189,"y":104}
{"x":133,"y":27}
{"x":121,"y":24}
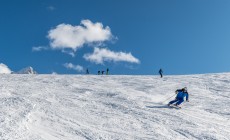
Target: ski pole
{"x":168,"y":98}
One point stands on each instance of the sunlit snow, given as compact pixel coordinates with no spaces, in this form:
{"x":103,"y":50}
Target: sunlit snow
{"x":92,"y":107}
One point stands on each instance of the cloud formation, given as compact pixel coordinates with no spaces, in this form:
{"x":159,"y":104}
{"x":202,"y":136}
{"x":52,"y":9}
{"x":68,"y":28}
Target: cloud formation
{"x":71,"y":53}
{"x":74,"y":67}
{"x":51,"y":8}
{"x":74,"y":37}
{"x":4,"y":69}
{"x":39,"y":48}
{"x":102,"y":54}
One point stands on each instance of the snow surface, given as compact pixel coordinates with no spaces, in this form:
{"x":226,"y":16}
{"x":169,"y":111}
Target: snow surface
{"x":93,"y":107}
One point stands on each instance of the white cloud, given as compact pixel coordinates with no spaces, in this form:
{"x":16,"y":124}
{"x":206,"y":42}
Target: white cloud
{"x":69,"y":53}
{"x":39,"y":48}
{"x":74,"y":67}
{"x":74,"y":37}
{"x":101,"y":55}
{"x":51,"y":8}
{"x":4,"y":69}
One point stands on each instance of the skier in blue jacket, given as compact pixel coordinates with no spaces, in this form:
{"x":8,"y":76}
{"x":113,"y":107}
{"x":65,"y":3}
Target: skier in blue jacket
{"x":181,"y":93}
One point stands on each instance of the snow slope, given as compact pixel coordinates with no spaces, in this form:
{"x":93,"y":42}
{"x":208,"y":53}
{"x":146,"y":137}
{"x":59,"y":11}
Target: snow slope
{"x":92,"y":107}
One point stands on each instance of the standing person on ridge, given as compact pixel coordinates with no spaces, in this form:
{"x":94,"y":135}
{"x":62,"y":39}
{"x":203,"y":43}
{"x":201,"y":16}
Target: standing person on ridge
{"x":87,"y":71}
{"x":181,"y":93}
{"x":107,"y":71}
{"x":161,"y":72}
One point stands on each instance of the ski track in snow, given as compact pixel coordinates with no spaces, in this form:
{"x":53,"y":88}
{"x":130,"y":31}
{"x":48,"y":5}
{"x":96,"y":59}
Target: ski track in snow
{"x":119,"y":107}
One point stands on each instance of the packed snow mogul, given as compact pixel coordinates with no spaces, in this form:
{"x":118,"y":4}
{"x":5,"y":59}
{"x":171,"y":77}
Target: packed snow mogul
{"x":181,"y":93}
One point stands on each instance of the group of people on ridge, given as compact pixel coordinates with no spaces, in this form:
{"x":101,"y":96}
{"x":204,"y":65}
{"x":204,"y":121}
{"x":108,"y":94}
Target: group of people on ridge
{"x":99,"y":72}
{"x":102,"y":72}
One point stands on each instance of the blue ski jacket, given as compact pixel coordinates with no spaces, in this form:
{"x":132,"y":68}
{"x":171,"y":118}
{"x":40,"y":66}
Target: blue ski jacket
{"x":181,"y":94}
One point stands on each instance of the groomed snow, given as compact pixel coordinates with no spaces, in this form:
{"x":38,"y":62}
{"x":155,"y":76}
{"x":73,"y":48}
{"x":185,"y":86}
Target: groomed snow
{"x":92,"y":107}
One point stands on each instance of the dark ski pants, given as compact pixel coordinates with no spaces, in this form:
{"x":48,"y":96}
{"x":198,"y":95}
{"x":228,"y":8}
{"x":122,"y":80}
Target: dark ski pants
{"x":177,"y":101}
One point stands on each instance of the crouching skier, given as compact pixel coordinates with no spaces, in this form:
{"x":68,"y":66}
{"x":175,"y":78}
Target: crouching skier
{"x":181,"y":93}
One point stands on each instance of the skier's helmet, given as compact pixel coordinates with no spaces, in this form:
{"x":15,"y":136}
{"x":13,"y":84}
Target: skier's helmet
{"x":184,"y":89}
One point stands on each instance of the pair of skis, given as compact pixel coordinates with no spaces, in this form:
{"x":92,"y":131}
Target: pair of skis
{"x":174,"y":106}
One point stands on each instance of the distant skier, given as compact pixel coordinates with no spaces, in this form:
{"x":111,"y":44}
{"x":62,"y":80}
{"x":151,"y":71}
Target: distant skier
{"x":107,"y":71}
{"x":181,"y":93}
{"x":87,"y":71}
{"x":98,"y":72}
{"x":161,"y":72}
{"x":102,"y":72}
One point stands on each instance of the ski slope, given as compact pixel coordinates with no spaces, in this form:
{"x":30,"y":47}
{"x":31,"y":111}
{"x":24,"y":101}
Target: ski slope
{"x":114,"y":107}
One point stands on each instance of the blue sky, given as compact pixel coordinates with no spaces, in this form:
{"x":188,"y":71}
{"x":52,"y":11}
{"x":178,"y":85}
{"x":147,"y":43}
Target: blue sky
{"x":128,"y":37}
